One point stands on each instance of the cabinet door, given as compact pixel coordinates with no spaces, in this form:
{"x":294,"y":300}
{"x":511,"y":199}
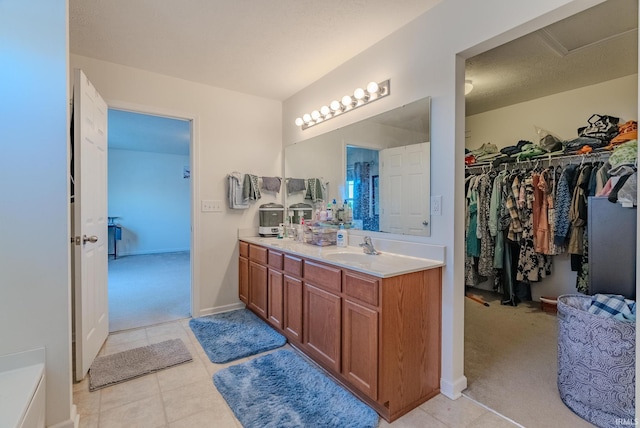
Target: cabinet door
{"x":293,"y":308}
{"x":243,"y":280}
{"x":360,"y":347}
{"x":275,"y":298}
{"x":258,"y":289}
{"x":322,"y":326}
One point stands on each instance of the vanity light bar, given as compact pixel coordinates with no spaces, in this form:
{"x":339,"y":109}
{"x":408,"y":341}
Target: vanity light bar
{"x":374,"y":91}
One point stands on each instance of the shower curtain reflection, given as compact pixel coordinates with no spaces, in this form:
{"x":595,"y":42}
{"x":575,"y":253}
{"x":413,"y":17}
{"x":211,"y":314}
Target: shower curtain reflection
{"x":363,"y":209}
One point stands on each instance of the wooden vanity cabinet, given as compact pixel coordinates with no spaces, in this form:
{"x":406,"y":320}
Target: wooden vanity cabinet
{"x":293,"y":297}
{"x":275,"y":292}
{"x":243,"y":273}
{"x":258,"y":280}
{"x":379,"y":337}
{"x":293,"y":309}
{"x":360,"y":331}
{"x":322,"y":313}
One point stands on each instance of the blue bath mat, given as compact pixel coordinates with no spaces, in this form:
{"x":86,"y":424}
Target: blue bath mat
{"x":232,"y":335}
{"x":282,"y":390}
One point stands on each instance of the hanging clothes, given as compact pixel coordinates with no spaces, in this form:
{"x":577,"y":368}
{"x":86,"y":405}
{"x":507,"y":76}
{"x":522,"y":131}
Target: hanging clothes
{"x":532,"y":266}
{"x":484,"y":187}
{"x":578,"y":211}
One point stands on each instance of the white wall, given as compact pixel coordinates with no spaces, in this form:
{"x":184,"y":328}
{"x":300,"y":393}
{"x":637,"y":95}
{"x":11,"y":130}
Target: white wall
{"x":149,"y":194}
{"x":35,"y":291}
{"x":561,"y":114}
{"x":232,"y":132}
{"x":426,"y":58}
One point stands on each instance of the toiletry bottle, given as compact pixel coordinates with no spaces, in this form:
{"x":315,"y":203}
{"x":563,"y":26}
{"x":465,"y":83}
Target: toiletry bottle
{"x":329,"y":212}
{"x":301,"y":230}
{"x":342,"y":237}
{"x":323,"y":214}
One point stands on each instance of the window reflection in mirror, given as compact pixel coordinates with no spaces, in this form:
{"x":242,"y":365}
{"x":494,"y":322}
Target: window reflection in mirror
{"x":349,"y":163}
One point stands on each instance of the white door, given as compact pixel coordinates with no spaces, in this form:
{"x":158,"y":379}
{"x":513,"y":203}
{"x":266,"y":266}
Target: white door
{"x":404,"y":189}
{"x":90,"y":223}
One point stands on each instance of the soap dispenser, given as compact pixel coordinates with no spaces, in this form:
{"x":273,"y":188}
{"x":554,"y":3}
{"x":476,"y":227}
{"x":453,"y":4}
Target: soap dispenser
{"x":342,"y":237}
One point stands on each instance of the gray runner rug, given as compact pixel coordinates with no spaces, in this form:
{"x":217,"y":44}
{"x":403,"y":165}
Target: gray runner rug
{"x":111,"y":369}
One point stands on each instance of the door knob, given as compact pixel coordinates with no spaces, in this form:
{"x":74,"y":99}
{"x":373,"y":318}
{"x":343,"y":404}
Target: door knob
{"x":92,"y":238}
{"x":425,"y":223}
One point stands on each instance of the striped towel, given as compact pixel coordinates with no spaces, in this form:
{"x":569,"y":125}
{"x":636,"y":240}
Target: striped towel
{"x":613,"y":305}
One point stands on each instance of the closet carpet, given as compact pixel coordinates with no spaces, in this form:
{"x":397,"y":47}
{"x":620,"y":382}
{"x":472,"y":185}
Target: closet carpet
{"x":511,"y":362}
{"x":149,"y":289}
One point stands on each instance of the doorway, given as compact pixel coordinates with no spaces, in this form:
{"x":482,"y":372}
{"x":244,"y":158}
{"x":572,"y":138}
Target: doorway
{"x":149,"y":209}
{"x":514,"y":339}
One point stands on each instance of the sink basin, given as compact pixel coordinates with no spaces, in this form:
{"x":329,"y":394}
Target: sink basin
{"x":352,"y":257}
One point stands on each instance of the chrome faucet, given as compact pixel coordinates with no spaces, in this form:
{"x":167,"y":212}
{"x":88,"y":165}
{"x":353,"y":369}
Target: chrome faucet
{"x":367,"y":246}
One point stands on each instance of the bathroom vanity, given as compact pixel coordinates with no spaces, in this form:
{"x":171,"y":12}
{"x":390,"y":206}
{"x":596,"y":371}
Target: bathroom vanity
{"x":372,"y":322}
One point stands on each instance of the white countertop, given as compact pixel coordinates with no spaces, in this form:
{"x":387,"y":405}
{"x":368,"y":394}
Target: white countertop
{"x":383,"y":265}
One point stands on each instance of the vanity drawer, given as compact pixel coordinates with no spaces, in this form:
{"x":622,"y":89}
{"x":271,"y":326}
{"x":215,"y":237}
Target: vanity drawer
{"x":293,"y":265}
{"x":244,"y":249}
{"x":258,"y":254}
{"x":323,"y":276}
{"x":275,"y":259}
{"x":361,"y":287}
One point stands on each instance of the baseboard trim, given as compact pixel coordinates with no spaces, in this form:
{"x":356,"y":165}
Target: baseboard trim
{"x":220,"y":309}
{"x":453,"y":390}
{"x":72,"y":422}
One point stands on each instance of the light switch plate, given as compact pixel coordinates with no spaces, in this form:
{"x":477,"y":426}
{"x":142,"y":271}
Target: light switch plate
{"x":210,"y":205}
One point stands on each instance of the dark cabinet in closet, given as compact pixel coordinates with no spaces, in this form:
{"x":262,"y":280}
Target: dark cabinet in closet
{"x":612,"y":248}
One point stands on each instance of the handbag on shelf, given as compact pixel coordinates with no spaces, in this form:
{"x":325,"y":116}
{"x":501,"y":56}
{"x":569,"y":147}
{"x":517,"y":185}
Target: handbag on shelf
{"x":602,"y":127}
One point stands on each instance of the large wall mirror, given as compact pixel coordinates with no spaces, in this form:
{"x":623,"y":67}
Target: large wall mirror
{"x":376,"y":169}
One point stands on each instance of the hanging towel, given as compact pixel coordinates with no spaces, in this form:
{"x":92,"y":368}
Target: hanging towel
{"x":271,"y":184}
{"x":295,"y":185}
{"x":235,"y":186}
{"x":314,"y":190}
{"x":250,"y":188}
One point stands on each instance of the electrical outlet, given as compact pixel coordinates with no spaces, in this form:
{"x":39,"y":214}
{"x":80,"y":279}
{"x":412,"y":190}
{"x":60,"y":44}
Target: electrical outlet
{"x":436,"y":205}
{"x":208,"y":205}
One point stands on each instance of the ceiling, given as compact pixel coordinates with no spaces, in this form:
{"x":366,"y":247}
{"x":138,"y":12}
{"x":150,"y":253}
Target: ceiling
{"x":268,"y":48}
{"x":274,"y":49}
{"x":593,"y":46}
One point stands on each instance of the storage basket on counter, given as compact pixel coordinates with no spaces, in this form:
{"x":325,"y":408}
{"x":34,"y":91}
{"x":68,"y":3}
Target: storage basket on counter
{"x":596,"y":363}
{"x":318,"y":233}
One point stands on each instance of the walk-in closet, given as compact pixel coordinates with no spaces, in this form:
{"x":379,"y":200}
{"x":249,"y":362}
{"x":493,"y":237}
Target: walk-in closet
{"x":550,"y":191}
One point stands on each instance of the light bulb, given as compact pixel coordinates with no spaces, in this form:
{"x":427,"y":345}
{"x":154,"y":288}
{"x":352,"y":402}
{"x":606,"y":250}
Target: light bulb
{"x":372,"y":88}
{"x":347,"y":101}
{"x":324,"y":110}
{"x":335,"y":105}
{"x":315,"y":115}
{"x":299,"y":121}
{"x":306,"y":118}
{"x":359,"y":94}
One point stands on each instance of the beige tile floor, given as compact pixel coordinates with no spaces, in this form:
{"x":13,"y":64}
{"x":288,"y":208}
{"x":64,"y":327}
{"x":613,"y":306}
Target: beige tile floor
{"x":185,"y":396}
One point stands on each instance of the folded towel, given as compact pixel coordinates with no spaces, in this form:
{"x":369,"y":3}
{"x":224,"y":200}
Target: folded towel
{"x":250,"y":188}
{"x":613,"y":305}
{"x":295,"y":185}
{"x":235,"y":187}
{"x":271,"y":184}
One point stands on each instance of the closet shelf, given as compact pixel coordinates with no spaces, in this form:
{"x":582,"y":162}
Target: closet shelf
{"x":549,"y":158}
